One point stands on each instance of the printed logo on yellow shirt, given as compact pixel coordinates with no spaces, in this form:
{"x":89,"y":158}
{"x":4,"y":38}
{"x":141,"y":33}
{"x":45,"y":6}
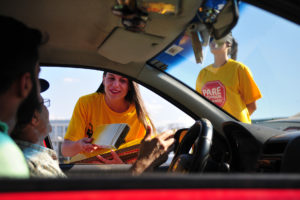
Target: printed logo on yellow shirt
{"x":215,"y":91}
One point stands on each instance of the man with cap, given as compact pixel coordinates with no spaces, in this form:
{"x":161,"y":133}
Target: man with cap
{"x":228,"y":83}
{"x":32,"y":128}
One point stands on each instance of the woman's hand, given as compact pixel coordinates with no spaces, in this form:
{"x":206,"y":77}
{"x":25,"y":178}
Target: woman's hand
{"x":85,"y":145}
{"x":115,"y":159}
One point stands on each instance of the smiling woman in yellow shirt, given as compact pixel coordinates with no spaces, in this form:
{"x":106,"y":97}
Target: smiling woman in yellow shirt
{"x":117,"y":100}
{"x":228,"y":83}
{"x":92,"y":109}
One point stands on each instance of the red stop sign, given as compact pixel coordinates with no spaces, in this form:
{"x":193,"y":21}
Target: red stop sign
{"x":215,"y":91}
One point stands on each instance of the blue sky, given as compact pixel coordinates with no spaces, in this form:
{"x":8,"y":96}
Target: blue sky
{"x":271,"y":50}
{"x":268,"y":45}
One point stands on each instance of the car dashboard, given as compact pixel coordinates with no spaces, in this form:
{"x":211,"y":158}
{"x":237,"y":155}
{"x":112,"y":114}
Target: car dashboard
{"x":261,"y":149}
{"x":280,"y":154}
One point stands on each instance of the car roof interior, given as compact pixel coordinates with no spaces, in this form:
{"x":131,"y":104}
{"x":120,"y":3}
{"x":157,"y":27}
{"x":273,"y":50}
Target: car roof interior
{"x":90,"y":29}
{"x":87,"y":33}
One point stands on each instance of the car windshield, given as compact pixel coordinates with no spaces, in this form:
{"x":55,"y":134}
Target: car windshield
{"x":267,"y":45}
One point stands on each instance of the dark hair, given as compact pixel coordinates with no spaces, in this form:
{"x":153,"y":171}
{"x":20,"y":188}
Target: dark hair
{"x":232,"y":51}
{"x":233,"y":46}
{"x":133,"y":96}
{"x":26,"y":111}
{"x":18,"y":51}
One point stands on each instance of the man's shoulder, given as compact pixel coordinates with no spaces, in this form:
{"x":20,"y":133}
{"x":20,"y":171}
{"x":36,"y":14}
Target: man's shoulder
{"x":12,"y":160}
{"x":8,"y":146}
{"x":5,"y":139}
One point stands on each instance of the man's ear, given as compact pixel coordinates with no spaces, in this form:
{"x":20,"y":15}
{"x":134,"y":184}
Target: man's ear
{"x":25,"y":85}
{"x":35,"y":119}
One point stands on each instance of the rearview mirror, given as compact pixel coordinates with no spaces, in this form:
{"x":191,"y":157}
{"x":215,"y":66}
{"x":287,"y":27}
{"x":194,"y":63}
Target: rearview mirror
{"x":219,"y":16}
{"x":226,"y":20}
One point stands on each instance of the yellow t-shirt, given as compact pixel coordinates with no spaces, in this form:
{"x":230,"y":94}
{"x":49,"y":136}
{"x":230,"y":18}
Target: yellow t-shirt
{"x":93,"y":109}
{"x":230,"y":86}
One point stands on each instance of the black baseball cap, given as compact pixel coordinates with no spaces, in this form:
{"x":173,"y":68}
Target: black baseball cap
{"x":44,"y":84}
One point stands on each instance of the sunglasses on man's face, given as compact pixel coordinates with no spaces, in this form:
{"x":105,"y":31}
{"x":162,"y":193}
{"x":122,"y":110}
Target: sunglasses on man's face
{"x":46,"y":102}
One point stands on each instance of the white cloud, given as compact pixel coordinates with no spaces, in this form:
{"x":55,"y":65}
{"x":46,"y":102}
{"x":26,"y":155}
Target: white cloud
{"x":154,"y":108}
{"x":182,"y":120}
{"x":70,"y":80}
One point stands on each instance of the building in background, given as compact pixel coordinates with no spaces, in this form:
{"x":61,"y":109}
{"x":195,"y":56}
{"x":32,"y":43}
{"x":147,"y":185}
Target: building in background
{"x":59,"y":129}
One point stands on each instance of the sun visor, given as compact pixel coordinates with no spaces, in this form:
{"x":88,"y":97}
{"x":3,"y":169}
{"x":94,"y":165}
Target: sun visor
{"x":124,"y":46}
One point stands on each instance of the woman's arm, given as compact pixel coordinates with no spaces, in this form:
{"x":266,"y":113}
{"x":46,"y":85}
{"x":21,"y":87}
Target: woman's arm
{"x":71,"y":148}
{"x":251,"y":107}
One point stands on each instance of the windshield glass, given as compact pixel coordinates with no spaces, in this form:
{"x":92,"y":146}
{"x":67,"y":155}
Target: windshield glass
{"x":267,"y":45}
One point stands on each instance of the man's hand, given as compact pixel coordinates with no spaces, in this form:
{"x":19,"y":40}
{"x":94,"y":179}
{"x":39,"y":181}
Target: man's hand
{"x":153,"y":151}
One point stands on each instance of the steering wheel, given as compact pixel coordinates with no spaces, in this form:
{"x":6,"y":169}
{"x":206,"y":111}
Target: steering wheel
{"x":199,"y":136}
